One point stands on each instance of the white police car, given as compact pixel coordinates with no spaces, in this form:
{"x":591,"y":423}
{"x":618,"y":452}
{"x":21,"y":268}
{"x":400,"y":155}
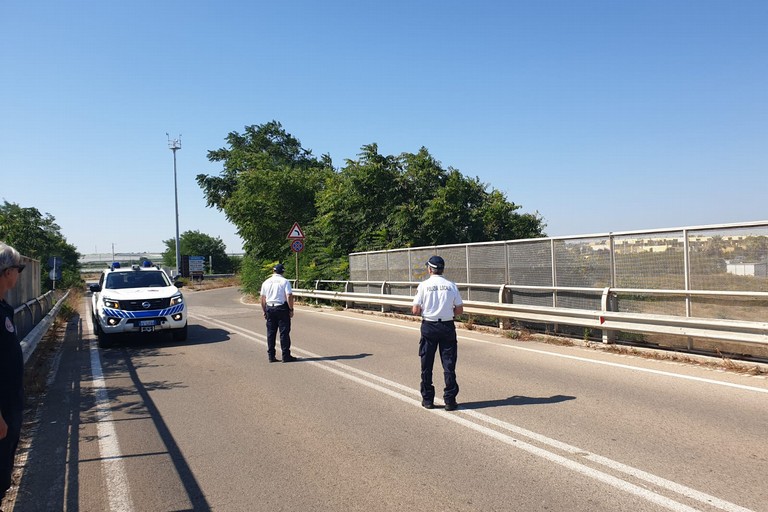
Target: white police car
{"x":139,"y":299}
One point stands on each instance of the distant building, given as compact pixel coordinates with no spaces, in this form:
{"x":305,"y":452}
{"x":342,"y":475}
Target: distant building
{"x":747,"y":269}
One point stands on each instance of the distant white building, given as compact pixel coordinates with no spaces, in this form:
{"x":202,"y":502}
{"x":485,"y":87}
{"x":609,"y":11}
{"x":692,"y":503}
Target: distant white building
{"x":748,"y":269}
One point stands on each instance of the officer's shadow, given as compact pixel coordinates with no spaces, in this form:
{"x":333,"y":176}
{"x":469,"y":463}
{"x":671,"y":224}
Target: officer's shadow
{"x":517,"y":400}
{"x":336,"y":358}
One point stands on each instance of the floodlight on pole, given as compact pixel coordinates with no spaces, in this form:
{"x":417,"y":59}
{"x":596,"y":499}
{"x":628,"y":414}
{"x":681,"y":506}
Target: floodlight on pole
{"x":174,"y":145}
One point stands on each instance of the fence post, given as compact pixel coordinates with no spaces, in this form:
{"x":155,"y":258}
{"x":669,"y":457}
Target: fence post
{"x":687,"y":278}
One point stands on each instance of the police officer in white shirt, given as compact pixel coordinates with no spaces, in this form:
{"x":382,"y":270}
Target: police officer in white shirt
{"x":277,"y":304}
{"x":438,"y":301}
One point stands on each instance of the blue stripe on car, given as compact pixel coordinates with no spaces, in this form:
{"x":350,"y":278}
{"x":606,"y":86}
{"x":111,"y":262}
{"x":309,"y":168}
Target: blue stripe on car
{"x":119,"y":313}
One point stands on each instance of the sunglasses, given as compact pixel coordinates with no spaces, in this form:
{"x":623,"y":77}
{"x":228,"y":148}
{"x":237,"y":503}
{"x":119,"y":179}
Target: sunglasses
{"x":17,"y":267}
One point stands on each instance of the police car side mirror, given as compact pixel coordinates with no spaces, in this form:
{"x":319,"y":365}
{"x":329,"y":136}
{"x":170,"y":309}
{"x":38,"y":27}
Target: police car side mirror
{"x":178,"y":284}
{"x":95,"y":288}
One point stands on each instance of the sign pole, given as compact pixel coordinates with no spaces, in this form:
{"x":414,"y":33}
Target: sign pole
{"x":296,"y":235}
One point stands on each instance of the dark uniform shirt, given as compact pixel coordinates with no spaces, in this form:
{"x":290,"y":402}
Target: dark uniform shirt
{"x":11,"y":364}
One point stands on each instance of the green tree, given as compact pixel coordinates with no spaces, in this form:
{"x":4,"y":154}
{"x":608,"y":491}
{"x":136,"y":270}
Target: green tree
{"x":384,"y":202}
{"x":37,"y":236}
{"x":268,"y":182}
{"x":195,"y":243}
{"x":755,"y":248}
{"x":355,"y":204}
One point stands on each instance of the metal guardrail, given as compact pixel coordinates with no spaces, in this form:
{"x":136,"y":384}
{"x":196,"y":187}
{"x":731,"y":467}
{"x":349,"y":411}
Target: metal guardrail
{"x":29,"y":314}
{"x":35,"y":318}
{"x":610,"y":322}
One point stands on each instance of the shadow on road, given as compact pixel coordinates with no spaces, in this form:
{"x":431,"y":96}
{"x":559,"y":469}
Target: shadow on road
{"x":517,"y":400}
{"x":335,"y":358}
{"x":197,"y":335}
{"x":52,"y":478}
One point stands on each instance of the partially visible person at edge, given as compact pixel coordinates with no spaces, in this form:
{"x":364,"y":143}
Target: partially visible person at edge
{"x":438,"y":301}
{"x":11,"y":369}
{"x":277,"y":304}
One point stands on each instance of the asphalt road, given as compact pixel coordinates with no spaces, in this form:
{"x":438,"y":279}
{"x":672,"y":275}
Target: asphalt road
{"x":209,"y":424}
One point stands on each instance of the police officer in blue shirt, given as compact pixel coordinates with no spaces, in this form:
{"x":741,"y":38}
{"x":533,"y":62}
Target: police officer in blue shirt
{"x":437,"y":300}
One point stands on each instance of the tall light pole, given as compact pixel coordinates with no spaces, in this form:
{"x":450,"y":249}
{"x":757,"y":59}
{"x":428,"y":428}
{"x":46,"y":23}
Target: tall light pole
{"x":174,"y":145}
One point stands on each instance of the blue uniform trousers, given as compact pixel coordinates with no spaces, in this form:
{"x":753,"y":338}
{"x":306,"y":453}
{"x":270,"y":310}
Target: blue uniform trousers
{"x":438,"y":336}
{"x":278,"y":318}
{"x":8,"y":449}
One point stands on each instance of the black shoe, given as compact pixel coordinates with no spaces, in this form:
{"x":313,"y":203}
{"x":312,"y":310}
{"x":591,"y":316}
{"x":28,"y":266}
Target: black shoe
{"x":290,"y":359}
{"x":273,"y":359}
{"x":451,"y":406}
{"x":427,"y":404}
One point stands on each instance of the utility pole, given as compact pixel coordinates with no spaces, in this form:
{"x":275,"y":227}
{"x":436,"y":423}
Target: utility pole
{"x":174,"y":145}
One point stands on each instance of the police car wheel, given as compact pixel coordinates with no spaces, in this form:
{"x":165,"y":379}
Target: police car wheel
{"x":96,"y":327}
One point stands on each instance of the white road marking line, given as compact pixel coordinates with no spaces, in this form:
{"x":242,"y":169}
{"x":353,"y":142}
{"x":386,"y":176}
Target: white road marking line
{"x":118,"y":490}
{"x":346,"y":372}
{"x":577,"y":358}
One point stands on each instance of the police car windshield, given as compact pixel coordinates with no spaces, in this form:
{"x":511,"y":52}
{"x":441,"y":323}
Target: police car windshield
{"x":137,"y":279}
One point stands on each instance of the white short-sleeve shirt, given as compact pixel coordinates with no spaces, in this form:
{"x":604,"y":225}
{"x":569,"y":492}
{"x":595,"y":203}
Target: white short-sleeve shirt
{"x":437,"y":297}
{"x":276,"y":289}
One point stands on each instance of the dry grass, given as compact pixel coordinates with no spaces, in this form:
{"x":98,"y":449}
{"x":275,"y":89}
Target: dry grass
{"x":37,"y":368}
{"x":212,"y":284}
{"x":723,"y":363}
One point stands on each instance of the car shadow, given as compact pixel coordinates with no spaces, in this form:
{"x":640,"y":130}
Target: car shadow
{"x":516,"y":400}
{"x":196,"y":335}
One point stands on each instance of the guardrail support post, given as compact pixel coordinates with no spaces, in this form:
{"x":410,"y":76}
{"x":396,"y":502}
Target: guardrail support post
{"x":505,"y":297}
{"x":347,"y":305}
{"x":609,"y":302}
{"x":385,"y":290}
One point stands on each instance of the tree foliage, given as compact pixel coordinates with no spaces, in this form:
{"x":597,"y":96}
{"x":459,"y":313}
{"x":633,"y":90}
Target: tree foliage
{"x":384,"y":202}
{"x":195,"y":243}
{"x":269,"y":181}
{"x":37,"y":236}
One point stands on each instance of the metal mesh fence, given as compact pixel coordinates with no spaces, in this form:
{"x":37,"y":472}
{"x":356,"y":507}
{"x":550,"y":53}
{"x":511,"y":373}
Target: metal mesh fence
{"x":729,"y":259}
{"x":486,"y":264}
{"x":377,"y":267}
{"x":530,"y":263}
{"x":543,"y":272}
{"x":358,"y":267}
{"x":655,"y":261}
{"x":399,"y":266}
{"x":28,"y":285}
{"x":584,"y":263}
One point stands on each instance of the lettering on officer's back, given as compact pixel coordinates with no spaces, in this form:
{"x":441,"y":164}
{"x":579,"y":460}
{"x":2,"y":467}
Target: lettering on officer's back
{"x":436,"y":288}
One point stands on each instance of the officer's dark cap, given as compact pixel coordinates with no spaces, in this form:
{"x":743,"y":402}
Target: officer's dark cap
{"x":279,"y":268}
{"x":436,"y":262}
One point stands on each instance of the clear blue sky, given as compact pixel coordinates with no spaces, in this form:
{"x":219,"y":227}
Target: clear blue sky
{"x":600,"y":115}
